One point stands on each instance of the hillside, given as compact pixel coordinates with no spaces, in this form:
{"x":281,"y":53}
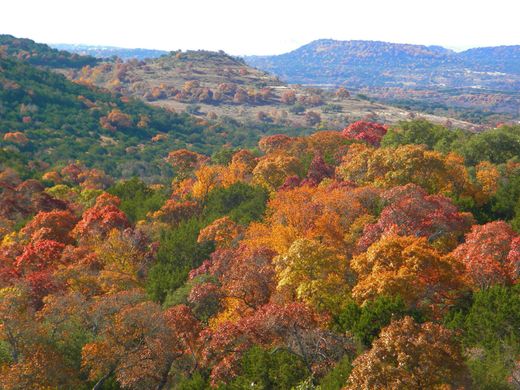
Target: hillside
{"x":41,"y":54}
{"x":45,"y":117}
{"x":371,"y":63}
{"x":433,"y":77}
{"x":495,"y":59}
{"x":214,"y":84}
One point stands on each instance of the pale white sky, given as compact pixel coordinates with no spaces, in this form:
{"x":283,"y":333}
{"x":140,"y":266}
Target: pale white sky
{"x":261,"y":26}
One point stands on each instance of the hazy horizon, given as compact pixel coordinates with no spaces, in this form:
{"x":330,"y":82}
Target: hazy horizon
{"x":81,"y":44}
{"x":262,"y":28}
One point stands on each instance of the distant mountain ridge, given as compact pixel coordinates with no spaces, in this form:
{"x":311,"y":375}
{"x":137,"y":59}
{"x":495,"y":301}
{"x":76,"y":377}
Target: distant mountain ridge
{"x":376,"y":64}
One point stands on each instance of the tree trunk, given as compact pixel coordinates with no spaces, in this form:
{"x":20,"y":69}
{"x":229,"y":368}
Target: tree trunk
{"x":99,"y":384}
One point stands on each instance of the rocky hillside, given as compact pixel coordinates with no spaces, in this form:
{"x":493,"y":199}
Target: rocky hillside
{"x":215,"y":85}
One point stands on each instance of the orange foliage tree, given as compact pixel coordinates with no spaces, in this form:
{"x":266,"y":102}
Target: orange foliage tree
{"x":408,"y":355}
{"x":407,"y":267}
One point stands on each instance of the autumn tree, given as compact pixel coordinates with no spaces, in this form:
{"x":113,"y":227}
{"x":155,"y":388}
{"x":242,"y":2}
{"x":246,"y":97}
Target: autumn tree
{"x":390,"y":167}
{"x":240,"y":168}
{"x":223,"y":231}
{"x":116,"y":120}
{"x":408,"y":355}
{"x":207,"y":177}
{"x":313,"y":274}
{"x":319,"y":170}
{"x":329,"y":214}
{"x":370,"y":132}
{"x":126,"y":256}
{"x":246,"y":274}
{"x":491,"y":254}
{"x":271,"y":171}
{"x":408,"y":267}
{"x":52,"y":225}
{"x":291,"y":326}
{"x":100,"y":219}
{"x":16,"y":137}
{"x":185,"y":162}
{"x":409,"y":210}
{"x":332,"y":145}
{"x":135,"y":348}
{"x":39,"y":255}
{"x":275,"y":143}
{"x":173,"y":212}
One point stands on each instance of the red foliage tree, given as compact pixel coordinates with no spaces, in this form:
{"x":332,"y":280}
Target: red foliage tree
{"x":491,"y":254}
{"x":51,"y":225}
{"x":101,"y":218}
{"x":293,"y":326}
{"x":365,"y":131}
{"x":39,"y":256}
{"x":319,"y":170}
{"x":411,"y":211}
{"x":275,"y":143}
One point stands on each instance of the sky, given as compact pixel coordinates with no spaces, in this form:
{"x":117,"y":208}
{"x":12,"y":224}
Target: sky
{"x":261,"y":26}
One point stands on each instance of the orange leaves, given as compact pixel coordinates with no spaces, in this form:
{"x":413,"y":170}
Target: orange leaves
{"x":208,"y":177}
{"x":223,"y":231}
{"x":488,"y":177}
{"x":16,"y":137}
{"x":135,"y":346}
{"x":275,"y":143}
{"x":408,"y":267}
{"x":116,"y":120}
{"x":408,"y":355}
{"x":325,"y":213}
{"x":240,"y":169}
{"x":101,"y":218}
{"x":52,"y":225}
{"x":173,"y":212}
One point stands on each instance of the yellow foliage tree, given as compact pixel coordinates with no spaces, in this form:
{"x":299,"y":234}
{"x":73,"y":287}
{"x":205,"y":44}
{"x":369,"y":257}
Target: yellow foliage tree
{"x":313,"y":273}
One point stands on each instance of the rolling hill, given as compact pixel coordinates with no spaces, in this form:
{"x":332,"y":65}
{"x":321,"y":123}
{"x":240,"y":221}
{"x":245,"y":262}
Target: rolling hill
{"x":216,"y":85}
{"x":46,"y":118}
{"x":479,"y":85}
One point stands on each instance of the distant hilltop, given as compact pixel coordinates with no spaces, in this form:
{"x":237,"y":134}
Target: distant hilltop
{"x":374,"y":63}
